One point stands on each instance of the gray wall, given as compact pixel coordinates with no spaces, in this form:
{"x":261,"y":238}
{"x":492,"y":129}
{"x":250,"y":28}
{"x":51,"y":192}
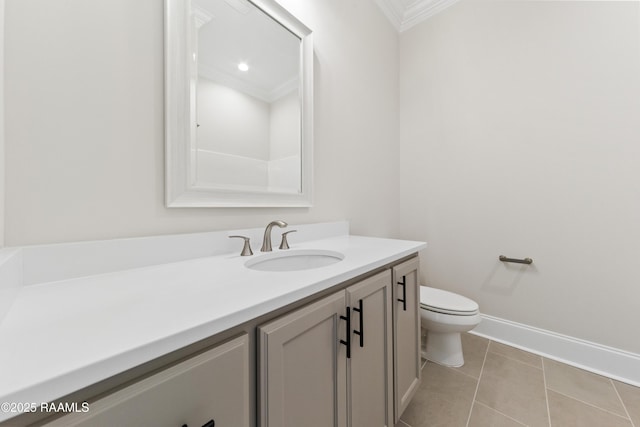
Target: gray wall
{"x":520,"y":135}
{"x":84,"y":110}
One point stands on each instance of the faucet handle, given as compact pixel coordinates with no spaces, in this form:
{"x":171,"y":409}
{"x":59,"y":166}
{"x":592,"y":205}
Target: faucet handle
{"x":246,"y":249}
{"x":284,"y":244}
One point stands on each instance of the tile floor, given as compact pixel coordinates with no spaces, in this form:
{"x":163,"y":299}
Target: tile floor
{"x":501,"y":386}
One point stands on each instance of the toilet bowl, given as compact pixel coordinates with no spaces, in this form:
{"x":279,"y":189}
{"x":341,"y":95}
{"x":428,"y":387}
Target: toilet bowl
{"x":444,"y":315}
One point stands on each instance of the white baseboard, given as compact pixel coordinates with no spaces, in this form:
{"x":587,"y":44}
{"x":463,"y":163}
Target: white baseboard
{"x":611,"y":362}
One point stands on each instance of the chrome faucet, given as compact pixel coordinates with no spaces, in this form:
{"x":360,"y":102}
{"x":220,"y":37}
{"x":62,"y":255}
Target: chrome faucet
{"x":266,"y":242}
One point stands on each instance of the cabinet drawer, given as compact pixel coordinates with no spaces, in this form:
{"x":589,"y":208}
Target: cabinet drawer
{"x":213,"y":385}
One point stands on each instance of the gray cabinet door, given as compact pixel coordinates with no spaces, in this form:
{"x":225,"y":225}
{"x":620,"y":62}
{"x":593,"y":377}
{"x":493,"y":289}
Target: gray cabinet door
{"x":213,"y":385}
{"x":370,"y":369}
{"x":406,"y":327}
{"x":303,"y":367}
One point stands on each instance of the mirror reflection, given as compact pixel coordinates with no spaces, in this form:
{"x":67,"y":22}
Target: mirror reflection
{"x":246,"y":79}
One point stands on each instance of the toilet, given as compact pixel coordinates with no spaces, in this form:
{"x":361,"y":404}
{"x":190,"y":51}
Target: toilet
{"x":444,"y":315}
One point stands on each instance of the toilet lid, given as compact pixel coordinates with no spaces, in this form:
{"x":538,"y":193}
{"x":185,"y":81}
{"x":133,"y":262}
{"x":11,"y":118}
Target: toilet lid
{"x":446,"y":302}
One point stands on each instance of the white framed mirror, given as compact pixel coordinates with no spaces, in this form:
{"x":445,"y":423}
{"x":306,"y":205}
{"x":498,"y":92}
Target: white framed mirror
{"x":238,"y":105}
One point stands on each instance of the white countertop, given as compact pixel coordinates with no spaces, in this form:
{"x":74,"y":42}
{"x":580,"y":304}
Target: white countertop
{"x":61,"y":336}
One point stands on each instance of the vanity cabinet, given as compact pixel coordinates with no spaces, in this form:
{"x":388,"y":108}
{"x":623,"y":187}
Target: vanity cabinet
{"x":345,"y":357}
{"x":406,"y":337}
{"x":211,"y":388}
{"x":331,"y":362}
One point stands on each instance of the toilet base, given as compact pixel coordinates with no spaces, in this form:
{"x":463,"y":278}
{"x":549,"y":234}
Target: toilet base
{"x":444,"y":349}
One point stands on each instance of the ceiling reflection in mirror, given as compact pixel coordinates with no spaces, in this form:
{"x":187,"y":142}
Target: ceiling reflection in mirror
{"x":246,"y":79}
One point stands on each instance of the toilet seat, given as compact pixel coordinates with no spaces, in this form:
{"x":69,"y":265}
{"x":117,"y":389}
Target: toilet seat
{"x":440,"y":301}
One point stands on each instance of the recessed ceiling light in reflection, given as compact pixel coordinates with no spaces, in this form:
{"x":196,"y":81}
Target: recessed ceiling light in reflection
{"x":243,"y":66}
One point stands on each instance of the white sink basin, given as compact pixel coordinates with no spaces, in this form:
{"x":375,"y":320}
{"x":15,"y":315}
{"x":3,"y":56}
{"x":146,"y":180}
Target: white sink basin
{"x":292,"y":260}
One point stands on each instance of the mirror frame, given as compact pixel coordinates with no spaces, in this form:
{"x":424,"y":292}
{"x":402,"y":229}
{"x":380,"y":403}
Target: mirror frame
{"x":179,"y":103}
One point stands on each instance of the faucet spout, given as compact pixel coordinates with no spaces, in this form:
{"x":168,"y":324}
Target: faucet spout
{"x":266,"y":242}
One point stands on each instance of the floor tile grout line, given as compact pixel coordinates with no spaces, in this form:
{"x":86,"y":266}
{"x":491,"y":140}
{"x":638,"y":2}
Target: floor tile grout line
{"x":475,"y":393}
{"x":517,"y":360}
{"x":464,"y":373}
{"x":591,"y":404}
{"x":546,"y":393}
{"x":404,"y":423}
{"x":622,"y":401}
{"x":501,"y":413}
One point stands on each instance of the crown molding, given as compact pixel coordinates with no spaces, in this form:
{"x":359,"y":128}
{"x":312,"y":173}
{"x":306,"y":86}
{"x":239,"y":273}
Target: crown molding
{"x":241,"y":6}
{"x":221,"y":77}
{"x":404,"y":15}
